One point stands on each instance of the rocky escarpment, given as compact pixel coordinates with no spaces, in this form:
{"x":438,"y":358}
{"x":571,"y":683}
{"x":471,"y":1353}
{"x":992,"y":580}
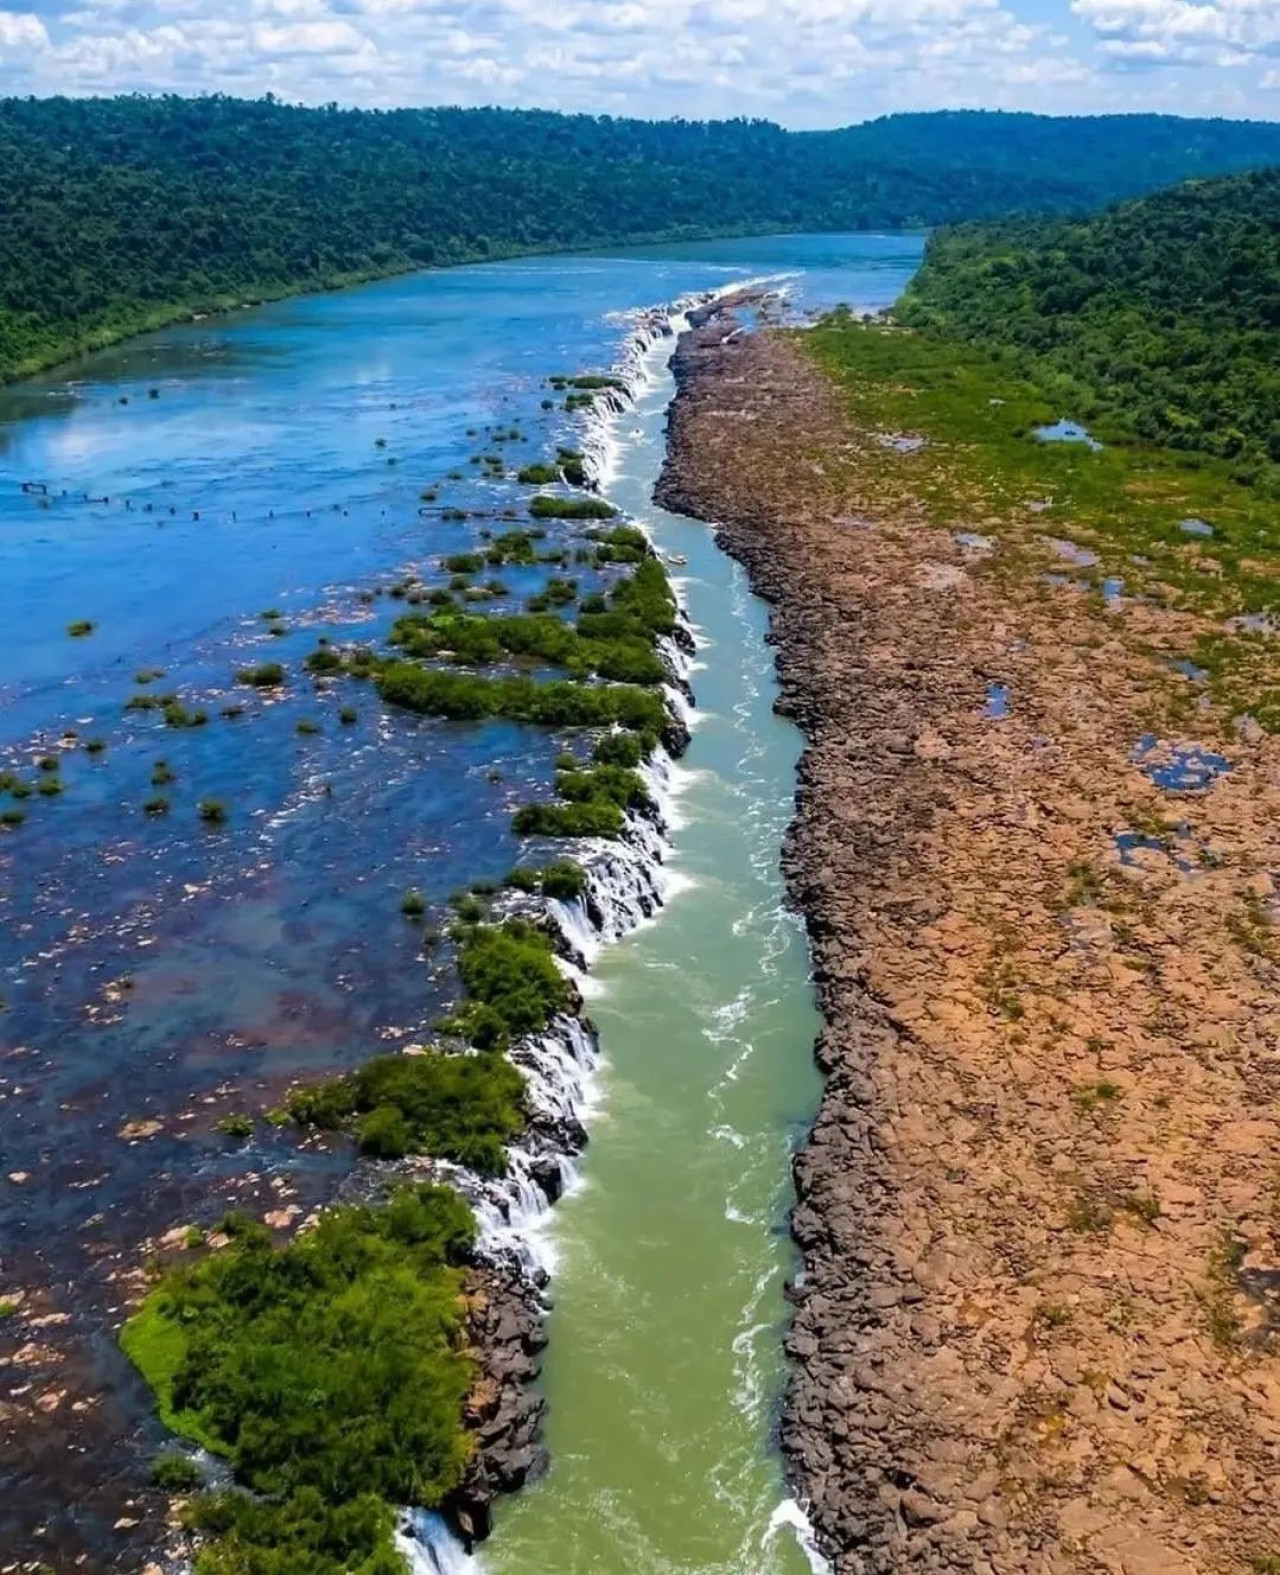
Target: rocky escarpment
{"x":505,"y":1325}
{"x":1037,"y":1207}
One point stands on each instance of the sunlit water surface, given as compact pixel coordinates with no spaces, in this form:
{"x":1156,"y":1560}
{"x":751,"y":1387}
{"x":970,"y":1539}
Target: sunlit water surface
{"x":154,"y":966}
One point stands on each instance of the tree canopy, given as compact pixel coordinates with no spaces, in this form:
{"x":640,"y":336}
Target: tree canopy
{"x":121,"y":214}
{"x":1159,"y":316}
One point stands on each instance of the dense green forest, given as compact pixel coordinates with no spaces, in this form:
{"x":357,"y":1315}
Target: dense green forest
{"x":120,"y":214}
{"x":1160,"y":316}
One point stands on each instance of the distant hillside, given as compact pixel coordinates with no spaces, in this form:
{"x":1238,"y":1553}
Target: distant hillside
{"x":120,"y":214}
{"x":1161,"y":315}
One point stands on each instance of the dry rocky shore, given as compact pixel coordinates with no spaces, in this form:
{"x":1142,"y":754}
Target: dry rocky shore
{"x":1039,"y":1211}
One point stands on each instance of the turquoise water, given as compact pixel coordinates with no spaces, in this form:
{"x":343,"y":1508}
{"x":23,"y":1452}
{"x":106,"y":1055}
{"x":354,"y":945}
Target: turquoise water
{"x":155,"y":967}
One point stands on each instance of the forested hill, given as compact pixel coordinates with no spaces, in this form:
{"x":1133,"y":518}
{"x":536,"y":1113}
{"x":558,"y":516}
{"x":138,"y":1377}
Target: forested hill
{"x":1160,"y":315}
{"x":118,"y":214}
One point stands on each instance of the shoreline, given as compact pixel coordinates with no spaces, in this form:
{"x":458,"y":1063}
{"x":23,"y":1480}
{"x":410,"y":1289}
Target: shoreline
{"x":1002,"y":1356}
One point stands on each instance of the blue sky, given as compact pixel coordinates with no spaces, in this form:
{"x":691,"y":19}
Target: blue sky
{"x":802,"y":62}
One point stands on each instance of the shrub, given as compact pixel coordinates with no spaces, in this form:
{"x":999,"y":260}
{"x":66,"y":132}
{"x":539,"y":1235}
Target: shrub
{"x":348,"y":716}
{"x":95,"y":746}
{"x":510,"y":970}
{"x":618,"y":749}
{"x":413,"y":905}
{"x":568,"y":820}
{"x":158,"y":805}
{"x":49,"y":787}
{"x":177,"y":715}
{"x":464,"y":697}
{"x":564,"y":881}
{"x":463,"y":563}
{"x":463,"y":1108}
{"x":573,"y":466}
{"x":176,"y":1473}
{"x":267,"y":675}
{"x":540,"y":475}
{"x":212,"y":810}
{"x":235,"y":1125}
{"x":307,"y":727}
{"x":330,"y":1373}
{"x":80,"y":628}
{"x":162,"y":773}
{"x":323,"y":661}
{"x":12,"y":818}
{"x":546,"y":507}
{"x":384,"y":1133}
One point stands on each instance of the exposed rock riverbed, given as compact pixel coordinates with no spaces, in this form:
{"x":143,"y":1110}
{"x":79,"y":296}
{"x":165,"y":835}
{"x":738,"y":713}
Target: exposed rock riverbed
{"x":1039,"y":1208}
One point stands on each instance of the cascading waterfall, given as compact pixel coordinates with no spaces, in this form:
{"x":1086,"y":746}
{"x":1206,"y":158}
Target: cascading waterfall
{"x":625,"y":886}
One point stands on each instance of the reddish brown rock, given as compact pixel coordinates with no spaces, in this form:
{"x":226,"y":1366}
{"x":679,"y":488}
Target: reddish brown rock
{"x":1038,"y":1209}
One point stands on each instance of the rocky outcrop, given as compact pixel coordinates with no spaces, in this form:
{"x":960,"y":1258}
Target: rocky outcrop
{"x":505,"y":1325}
{"x":1023,"y":1340}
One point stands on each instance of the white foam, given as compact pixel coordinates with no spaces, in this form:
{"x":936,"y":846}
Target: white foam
{"x":789,"y":1515}
{"x":627,"y":884}
{"x":431,"y":1548}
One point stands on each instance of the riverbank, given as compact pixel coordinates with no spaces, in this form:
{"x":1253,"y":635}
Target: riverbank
{"x":1038,"y":1210}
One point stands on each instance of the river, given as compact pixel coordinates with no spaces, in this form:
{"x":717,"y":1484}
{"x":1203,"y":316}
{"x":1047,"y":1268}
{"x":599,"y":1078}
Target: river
{"x":153,"y":970}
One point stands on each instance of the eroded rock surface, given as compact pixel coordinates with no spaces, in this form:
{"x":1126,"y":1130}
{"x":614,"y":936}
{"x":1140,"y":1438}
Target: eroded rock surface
{"x":1039,"y":1208}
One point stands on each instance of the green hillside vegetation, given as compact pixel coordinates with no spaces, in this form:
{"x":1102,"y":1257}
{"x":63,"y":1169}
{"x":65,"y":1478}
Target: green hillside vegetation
{"x":331,"y":1373}
{"x":121,"y":214}
{"x":1159,"y":318}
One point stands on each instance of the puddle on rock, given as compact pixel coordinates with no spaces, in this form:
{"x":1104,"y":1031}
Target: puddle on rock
{"x":1080,"y":556}
{"x":1195,"y":527}
{"x":975,"y":542}
{"x":901,"y":442}
{"x":1113,"y":591}
{"x":1129,"y":844}
{"x":1254,"y":623}
{"x":997,"y":700}
{"x":1066,"y":432}
{"x":1179,"y":768}
{"x":1188,"y":669}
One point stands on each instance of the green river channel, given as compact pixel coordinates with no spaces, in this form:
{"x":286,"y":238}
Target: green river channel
{"x":665,"y":1368}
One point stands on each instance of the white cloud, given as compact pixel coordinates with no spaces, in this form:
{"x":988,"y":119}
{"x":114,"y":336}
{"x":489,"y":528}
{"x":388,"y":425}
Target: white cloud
{"x":1221,"y":33}
{"x":20,"y":30}
{"x":806,"y":62}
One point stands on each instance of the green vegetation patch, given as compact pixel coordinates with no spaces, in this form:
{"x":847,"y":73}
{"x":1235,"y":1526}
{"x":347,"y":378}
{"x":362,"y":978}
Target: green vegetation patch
{"x":1159,"y":315}
{"x":562,"y":880}
{"x":330,"y":1373}
{"x":539,"y":475}
{"x":977,"y":407}
{"x":560,"y":703}
{"x":464,"y":1108}
{"x":511,"y":981}
{"x":597,"y":800}
{"x":266,"y":675}
{"x":546,"y":506}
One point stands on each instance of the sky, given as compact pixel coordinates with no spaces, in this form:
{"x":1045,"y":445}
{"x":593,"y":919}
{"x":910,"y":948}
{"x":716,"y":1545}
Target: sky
{"x":804,"y":63}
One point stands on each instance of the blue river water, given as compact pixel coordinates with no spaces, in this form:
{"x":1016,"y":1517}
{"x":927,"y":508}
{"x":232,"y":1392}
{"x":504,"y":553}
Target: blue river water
{"x":157,"y":969}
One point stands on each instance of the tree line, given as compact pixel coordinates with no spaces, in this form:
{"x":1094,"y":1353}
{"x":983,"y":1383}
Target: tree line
{"x":124,"y":213}
{"x":1160,"y":316}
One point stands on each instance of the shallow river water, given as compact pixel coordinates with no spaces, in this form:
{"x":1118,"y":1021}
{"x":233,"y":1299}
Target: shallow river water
{"x":157,"y":967}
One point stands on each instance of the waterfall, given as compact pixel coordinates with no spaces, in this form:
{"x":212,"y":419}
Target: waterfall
{"x":430,"y":1548}
{"x":625,"y":886}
